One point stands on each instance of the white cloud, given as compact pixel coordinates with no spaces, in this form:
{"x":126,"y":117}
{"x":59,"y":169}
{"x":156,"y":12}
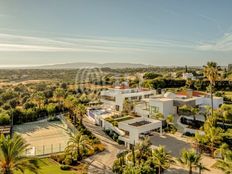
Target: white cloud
{"x":9,"y":42}
{"x":222,"y":44}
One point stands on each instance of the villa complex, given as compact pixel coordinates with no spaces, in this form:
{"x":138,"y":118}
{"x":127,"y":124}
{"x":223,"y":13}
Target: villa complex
{"x":147,"y":103}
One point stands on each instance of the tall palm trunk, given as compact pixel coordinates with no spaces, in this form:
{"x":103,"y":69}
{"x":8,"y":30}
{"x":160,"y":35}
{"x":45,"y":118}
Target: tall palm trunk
{"x":199,"y":170}
{"x":159,"y":170}
{"x":81,"y":119}
{"x":211,"y":96}
{"x":78,"y":153}
{"x":133,"y":154}
{"x":7,"y":170}
{"x":74,"y":119}
{"x":190,"y":169}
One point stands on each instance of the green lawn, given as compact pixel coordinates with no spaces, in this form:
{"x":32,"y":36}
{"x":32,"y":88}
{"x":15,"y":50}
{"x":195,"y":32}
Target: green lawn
{"x":228,"y":94}
{"x":48,"y":166}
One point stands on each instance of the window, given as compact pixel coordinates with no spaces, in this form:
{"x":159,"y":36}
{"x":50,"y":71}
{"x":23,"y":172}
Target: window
{"x":134,"y":98}
{"x":147,"y":96}
{"x":154,"y":109}
{"x":117,"y":108}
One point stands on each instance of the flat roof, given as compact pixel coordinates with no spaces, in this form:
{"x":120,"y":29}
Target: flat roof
{"x":161,"y":99}
{"x":139,"y":119}
{"x":140,"y":123}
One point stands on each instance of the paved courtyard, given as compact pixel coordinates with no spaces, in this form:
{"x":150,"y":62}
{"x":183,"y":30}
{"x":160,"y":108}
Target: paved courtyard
{"x":174,"y":144}
{"x":44,"y":137}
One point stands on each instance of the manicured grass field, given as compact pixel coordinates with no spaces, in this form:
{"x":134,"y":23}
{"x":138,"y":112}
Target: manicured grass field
{"x":48,"y":166}
{"x":228,"y":94}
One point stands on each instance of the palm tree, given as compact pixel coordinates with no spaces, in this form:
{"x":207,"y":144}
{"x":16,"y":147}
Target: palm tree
{"x":201,"y":168}
{"x":59,"y":95}
{"x":38,"y":98}
{"x":12,"y":156}
{"x":120,"y":163}
{"x":222,"y":150}
{"x":131,"y":169}
{"x":161,"y":158}
{"x":211,"y":73}
{"x":195,"y":111}
{"x":225,"y":114}
{"x":205,"y":112}
{"x":190,"y":159}
{"x":140,"y":151}
{"x":225,"y":164}
{"x":214,"y":137}
{"x":143,"y":149}
{"x":81,"y":111}
{"x":77,"y":145}
{"x":70,"y":103}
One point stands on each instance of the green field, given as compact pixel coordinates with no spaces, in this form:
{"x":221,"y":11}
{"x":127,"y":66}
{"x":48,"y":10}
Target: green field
{"x":48,"y":166}
{"x":228,"y":94}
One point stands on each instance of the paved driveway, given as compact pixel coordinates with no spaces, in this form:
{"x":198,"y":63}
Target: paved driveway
{"x":102,"y":162}
{"x":173,"y":143}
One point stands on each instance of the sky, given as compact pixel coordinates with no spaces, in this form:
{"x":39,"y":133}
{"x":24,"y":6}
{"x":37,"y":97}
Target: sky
{"x":152,"y":32}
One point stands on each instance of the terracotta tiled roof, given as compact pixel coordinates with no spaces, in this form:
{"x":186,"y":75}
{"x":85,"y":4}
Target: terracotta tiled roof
{"x":195,"y":93}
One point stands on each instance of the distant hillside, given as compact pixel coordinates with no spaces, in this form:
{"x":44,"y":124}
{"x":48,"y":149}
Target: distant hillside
{"x":96,"y":65}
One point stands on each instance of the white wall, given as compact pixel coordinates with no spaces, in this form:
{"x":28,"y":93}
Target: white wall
{"x":165,"y":106}
{"x":217,"y":101}
{"x":108,"y":102}
{"x":108,"y":125}
{"x":135,"y":131}
{"x":168,"y":108}
{"x":140,"y":110}
{"x":120,"y":97}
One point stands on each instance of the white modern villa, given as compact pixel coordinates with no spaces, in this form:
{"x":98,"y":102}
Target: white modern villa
{"x":170,"y":102}
{"x":147,"y":103}
{"x":116,"y":96}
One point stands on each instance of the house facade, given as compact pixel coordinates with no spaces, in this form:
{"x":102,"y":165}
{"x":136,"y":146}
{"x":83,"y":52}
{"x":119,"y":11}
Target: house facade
{"x":170,"y":102}
{"x":117,"y":96}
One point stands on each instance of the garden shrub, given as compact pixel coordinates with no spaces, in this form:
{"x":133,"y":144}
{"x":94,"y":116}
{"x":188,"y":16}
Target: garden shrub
{"x":99,"y":147}
{"x":53,"y":118}
{"x":120,"y":142}
{"x":4,"y":118}
{"x":115,"y":136}
{"x":90,"y":152}
{"x":58,"y":158}
{"x":67,"y":161}
{"x":107,"y":131}
{"x":188,"y":134}
{"x":65,"y":167}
